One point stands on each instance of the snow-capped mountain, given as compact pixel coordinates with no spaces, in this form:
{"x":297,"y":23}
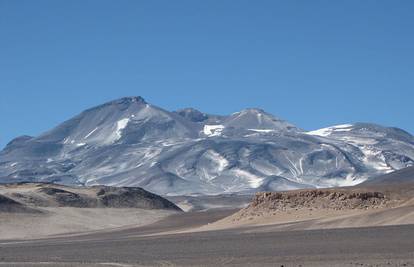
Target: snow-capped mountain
{"x":128,"y":142}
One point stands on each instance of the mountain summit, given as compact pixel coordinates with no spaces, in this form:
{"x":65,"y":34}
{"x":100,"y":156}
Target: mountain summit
{"x":129,"y":142}
{"x":257,"y":119}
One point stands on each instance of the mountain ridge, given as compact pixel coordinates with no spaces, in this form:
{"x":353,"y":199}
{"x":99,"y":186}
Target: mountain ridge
{"x":129,"y":142}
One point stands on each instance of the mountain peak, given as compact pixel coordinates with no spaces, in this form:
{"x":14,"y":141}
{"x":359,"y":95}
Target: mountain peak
{"x":255,"y":118}
{"x":252,"y":110}
{"x":123,"y":102}
{"x":128,"y":100}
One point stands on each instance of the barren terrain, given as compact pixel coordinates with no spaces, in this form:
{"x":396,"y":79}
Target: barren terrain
{"x":33,"y":210}
{"x":367,"y":225}
{"x":249,"y":246}
{"x":325,"y":208}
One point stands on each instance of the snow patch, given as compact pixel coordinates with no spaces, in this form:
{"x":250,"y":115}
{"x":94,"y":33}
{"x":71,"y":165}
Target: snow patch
{"x":90,"y":133}
{"x":120,"y":125}
{"x":147,"y":156}
{"x":262,"y":130}
{"x":329,"y":130}
{"x":253,"y":180}
{"x":153,"y":163}
{"x":350,"y":180}
{"x":213,"y":130}
{"x":375,"y":158}
{"x":215,"y":157}
{"x":259,"y":117}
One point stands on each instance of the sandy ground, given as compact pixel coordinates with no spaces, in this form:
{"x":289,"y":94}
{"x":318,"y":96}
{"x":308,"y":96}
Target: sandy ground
{"x":64,"y":220}
{"x":318,"y":219}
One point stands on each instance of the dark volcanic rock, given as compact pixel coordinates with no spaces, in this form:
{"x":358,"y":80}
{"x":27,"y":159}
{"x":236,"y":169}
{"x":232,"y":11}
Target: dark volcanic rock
{"x":68,"y":199}
{"x":12,"y":206}
{"x":131,"y":197}
{"x":29,"y":195}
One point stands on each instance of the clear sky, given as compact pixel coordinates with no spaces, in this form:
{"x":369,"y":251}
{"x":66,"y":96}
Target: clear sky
{"x":313,"y":63}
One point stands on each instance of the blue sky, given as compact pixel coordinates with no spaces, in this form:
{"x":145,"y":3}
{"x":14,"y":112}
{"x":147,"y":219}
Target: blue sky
{"x":313,"y":63}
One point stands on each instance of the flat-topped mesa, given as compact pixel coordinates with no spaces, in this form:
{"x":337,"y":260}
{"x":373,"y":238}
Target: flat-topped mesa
{"x":336,"y":199}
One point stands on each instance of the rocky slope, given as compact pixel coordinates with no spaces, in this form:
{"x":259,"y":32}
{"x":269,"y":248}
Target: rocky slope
{"x":129,"y":142}
{"x":384,"y":202}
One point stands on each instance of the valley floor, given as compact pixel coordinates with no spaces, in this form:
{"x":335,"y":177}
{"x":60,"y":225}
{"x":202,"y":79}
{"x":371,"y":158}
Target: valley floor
{"x":249,"y":246}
